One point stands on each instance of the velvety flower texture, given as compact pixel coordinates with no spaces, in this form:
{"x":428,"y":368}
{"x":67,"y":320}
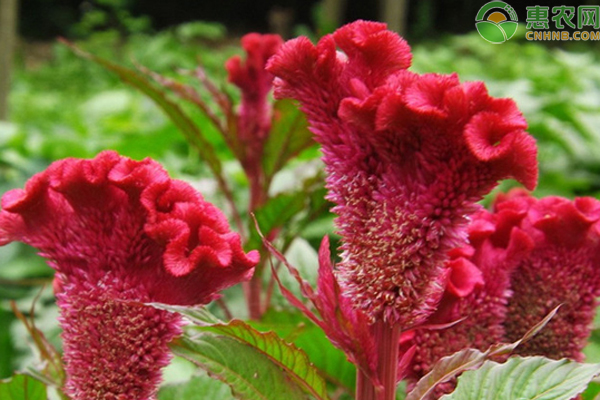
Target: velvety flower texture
{"x":524,"y":258}
{"x":407,"y":156}
{"x":563,"y":268}
{"x":118,"y":233}
{"x":476,"y":294}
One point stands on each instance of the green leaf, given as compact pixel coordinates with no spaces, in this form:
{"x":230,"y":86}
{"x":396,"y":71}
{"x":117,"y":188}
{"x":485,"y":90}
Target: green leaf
{"x":526,"y":378}
{"x":275,"y":213}
{"x":286,"y":356}
{"x":249,"y":373}
{"x":509,"y":28}
{"x":592,"y":391}
{"x":197,"y":388}
{"x":295,"y":327}
{"x":22,"y":387}
{"x":289,"y":135}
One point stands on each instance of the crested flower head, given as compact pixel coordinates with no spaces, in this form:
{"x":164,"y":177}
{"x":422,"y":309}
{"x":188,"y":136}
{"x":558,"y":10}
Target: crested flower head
{"x":562,"y":269}
{"x":407,"y":156}
{"x":476,"y":295}
{"x":118,"y":233}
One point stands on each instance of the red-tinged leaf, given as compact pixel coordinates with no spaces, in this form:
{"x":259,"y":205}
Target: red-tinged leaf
{"x":293,"y":361}
{"x":346,"y":327}
{"x":188,"y":93}
{"x":248,"y":372}
{"x":296,"y":302}
{"x":51,"y":370}
{"x":305,"y":287}
{"x":287,"y":356}
{"x":468,"y":359}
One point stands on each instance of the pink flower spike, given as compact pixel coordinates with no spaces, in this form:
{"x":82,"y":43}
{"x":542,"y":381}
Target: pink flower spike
{"x":119,"y":233}
{"x":407,"y":157}
{"x":563,"y":268}
{"x":476,"y":294}
{"x":255,"y":83}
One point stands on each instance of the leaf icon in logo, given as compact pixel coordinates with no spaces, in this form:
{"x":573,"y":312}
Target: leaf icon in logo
{"x":492,"y":32}
{"x":509,"y":28}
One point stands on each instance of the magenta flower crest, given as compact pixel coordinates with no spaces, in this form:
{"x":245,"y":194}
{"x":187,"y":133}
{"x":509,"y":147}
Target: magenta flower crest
{"x":563,"y":268}
{"x":476,"y":296}
{"x":525,"y":258}
{"x":407,"y":156}
{"x":118,"y":233}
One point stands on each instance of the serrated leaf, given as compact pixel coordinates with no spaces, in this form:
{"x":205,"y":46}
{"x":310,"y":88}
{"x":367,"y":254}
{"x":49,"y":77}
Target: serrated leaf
{"x":249,"y":373}
{"x":287,"y":356}
{"x":289,"y":135}
{"x":22,"y":387}
{"x":331,"y":362}
{"x":528,"y":378}
{"x":292,"y":360}
{"x":463,"y":360}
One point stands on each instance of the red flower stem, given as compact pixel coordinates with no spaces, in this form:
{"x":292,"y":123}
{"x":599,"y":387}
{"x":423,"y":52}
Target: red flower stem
{"x":387,"y":337}
{"x":254,"y":289}
{"x":255,"y":308}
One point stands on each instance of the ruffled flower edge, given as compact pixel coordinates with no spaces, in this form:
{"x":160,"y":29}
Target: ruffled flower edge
{"x":369,"y":86}
{"x":197,"y":245}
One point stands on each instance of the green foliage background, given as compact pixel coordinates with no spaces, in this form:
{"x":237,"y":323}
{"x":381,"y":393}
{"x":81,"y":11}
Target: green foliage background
{"x":70,"y":107}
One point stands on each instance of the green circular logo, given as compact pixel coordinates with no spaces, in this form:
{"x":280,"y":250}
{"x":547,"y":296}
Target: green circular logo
{"x":496,"y":22}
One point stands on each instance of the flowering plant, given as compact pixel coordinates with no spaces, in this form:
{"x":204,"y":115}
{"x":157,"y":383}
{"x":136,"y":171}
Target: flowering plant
{"x":427,"y":284}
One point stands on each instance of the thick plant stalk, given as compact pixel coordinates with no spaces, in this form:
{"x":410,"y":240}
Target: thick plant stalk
{"x":387,"y":337}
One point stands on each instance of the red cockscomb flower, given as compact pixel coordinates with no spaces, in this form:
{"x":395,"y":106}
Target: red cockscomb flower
{"x":476,"y":294}
{"x":407,"y":156}
{"x":563,"y":268}
{"x":120,"y":232}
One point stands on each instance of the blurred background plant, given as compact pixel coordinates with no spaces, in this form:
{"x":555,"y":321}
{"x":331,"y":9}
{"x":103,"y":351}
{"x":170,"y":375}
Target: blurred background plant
{"x":62,"y":105}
